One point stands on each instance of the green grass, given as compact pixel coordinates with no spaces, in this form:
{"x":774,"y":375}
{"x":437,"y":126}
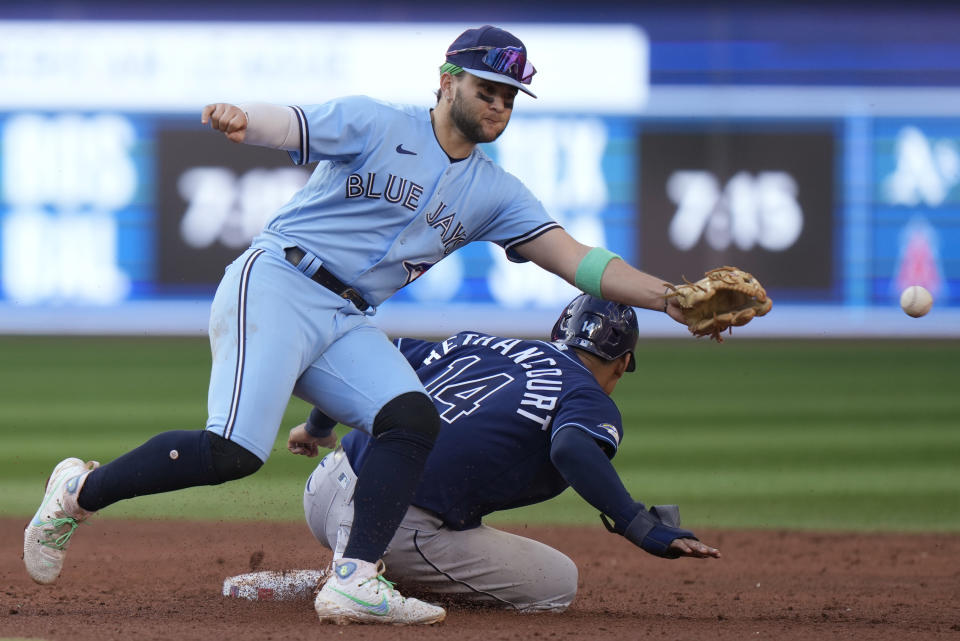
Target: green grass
{"x":802,"y":434}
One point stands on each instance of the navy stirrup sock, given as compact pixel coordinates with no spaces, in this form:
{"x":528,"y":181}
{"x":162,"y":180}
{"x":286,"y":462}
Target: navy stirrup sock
{"x":385,"y":487}
{"x":152,"y":468}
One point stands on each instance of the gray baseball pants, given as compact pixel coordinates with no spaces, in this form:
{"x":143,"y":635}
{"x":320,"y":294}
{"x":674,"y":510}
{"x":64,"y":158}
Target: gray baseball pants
{"x":482,"y":565}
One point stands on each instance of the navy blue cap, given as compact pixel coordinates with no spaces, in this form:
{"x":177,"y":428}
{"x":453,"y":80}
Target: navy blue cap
{"x":472,"y":61}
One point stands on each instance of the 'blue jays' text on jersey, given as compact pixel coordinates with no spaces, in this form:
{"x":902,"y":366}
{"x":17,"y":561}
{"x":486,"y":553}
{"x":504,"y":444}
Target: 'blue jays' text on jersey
{"x":385,"y":202}
{"x":501,"y":401}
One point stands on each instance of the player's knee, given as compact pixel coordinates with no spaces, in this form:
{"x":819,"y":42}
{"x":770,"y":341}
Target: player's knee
{"x":558,"y":587}
{"x":412,"y":412}
{"x":566,"y":584}
{"x":230,"y":460}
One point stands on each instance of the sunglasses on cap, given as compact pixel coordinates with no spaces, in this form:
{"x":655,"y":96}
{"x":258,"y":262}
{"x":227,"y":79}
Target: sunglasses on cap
{"x":510,"y":61}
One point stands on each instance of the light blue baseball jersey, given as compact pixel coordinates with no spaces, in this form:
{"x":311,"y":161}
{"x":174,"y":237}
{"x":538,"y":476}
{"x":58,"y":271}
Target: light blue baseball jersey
{"x":385,"y":202}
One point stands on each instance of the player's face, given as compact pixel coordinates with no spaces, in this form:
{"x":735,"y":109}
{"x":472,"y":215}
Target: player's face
{"x":481,"y":109}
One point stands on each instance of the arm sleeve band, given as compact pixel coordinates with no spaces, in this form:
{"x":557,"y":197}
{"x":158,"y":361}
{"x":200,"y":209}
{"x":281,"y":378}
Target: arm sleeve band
{"x":581,"y":461}
{"x":583,"y":464}
{"x":590,"y":270}
{"x":271,"y":126}
{"x":319,"y":425}
{"x":652,"y":535}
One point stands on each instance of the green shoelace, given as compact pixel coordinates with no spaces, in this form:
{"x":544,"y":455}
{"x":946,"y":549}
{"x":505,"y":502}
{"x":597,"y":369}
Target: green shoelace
{"x":390,"y":584}
{"x":61,"y":541}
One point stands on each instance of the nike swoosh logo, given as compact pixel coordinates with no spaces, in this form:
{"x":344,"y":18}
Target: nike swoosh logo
{"x":401,"y":150}
{"x":381,"y":608}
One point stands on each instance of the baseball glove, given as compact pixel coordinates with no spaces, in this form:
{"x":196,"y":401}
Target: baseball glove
{"x":725,"y":297}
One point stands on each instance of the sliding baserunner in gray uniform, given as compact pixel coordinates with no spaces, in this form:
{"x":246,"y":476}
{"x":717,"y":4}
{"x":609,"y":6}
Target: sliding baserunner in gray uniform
{"x":523,"y":420}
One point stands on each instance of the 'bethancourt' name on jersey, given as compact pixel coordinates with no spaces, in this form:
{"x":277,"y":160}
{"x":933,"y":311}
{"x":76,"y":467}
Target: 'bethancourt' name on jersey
{"x":501,"y":401}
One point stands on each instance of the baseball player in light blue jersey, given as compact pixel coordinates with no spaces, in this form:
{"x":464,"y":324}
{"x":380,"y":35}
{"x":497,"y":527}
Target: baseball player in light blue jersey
{"x":395,"y":190}
{"x":523,"y":420}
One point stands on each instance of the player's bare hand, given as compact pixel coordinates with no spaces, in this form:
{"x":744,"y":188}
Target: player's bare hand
{"x":229,"y":119}
{"x":300,"y":442}
{"x":694,"y":548}
{"x":674,"y":310}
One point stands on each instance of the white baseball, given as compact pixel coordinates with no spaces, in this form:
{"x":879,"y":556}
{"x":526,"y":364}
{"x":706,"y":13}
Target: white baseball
{"x":916,"y":301}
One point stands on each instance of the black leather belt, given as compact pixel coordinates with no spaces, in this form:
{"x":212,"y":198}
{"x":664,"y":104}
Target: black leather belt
{"x":294,"y":255}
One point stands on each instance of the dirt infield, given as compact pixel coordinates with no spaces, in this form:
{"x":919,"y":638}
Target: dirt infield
{"x":161,"y":580}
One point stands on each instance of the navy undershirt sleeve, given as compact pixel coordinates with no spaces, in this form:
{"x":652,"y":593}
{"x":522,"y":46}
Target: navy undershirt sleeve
{"x":580,"y":459}
{"x":584,"y":465}
{"x":318,"y":424}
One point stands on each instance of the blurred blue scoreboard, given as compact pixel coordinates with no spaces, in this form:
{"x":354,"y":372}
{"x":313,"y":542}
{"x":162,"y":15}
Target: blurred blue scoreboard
{"x":118,"y":211}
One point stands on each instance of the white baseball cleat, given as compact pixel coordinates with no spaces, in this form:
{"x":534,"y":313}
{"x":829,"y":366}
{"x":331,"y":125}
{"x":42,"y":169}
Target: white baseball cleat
{"x":46,"y":537}
{"x":356,"y":592}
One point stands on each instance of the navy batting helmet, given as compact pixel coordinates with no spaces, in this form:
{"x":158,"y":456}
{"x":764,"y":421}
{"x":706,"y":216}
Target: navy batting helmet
{"x":608,"y":330}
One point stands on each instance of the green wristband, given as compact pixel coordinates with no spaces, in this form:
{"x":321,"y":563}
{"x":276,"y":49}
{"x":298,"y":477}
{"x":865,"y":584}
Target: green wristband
{"x":591,"y":268}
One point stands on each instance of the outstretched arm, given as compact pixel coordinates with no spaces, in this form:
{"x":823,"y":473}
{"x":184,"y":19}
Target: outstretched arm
{"x":560,"y":253}
{"x":581,"y":461}
{"x":255,"y":123}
